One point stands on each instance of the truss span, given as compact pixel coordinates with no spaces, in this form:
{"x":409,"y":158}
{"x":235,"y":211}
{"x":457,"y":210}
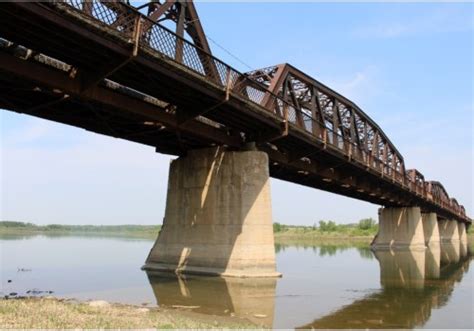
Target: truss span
{"x":117,"y":70}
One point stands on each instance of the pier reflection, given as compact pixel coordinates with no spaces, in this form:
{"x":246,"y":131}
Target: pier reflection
{"x":413,"y":283}
{"x":249,"y":298}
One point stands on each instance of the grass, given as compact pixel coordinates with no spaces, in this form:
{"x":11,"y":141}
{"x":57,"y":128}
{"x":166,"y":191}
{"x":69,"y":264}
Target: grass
{"x":49,"y":313}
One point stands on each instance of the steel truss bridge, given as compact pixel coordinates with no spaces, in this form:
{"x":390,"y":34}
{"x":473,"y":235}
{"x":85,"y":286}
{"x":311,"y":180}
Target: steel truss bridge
{"x":117,"y":70}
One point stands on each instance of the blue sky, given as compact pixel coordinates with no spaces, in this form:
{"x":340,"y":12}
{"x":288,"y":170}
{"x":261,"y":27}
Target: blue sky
{"x":409,"y":66}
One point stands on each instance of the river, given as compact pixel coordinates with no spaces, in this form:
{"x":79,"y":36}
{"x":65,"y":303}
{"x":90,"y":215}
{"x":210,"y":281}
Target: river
{"x":323,"y":286}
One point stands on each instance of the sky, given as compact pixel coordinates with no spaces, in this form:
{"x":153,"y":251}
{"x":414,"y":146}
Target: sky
{"x":408,"y":66}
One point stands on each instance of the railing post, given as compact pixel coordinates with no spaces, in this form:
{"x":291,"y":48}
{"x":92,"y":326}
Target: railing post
{"x":136,"y":35}
{"x":87,"y":7}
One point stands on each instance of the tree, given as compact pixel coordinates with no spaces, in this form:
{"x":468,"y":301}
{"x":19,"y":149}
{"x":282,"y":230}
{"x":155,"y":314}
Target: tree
{"x":366,"y":224}
{"x":327,"y":226}
{"x":277,"y":227}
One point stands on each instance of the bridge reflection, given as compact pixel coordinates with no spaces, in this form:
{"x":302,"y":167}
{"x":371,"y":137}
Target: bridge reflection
{"x":413,"y":283}
{"x":249,"y":298}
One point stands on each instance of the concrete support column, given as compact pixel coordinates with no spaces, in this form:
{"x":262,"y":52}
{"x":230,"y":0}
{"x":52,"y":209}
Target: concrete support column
{"x":218,"y":216}
{"x":430,"y":228}
{"x":399,"y":228}
{"x":462,"y":232}
{"x":448,"y":230}
{"x":450,"y":252}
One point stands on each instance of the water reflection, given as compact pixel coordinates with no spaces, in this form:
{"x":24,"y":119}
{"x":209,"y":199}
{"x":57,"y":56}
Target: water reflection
{"x":347,"y":284}
{"x":328,"y":249}
{"x":413,"y":283}
{"x":252,"y":299}
{"x":433,"y":261}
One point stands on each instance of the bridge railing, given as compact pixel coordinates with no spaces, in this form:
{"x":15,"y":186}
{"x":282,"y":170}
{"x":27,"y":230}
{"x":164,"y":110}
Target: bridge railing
{"x":126,"y":21}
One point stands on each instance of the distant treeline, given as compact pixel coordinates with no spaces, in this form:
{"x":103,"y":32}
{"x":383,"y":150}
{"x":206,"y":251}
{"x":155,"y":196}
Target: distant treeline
{"x":22,"y":226}
{"x":364,"y":227}
{"x":367,"y":224}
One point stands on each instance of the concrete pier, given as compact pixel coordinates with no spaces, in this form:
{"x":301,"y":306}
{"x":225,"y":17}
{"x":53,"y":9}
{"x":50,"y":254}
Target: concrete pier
{"x":430,"y":228}
{"x":399,"y":228}
{"x":218,"y":216}
{"x":448,"y":230}
{"x":450,"y":252}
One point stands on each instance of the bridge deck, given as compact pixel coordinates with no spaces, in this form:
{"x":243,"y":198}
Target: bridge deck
{"x":174,"y":105}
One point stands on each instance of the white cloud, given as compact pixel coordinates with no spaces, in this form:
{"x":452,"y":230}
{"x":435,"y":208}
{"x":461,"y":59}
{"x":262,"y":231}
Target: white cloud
{"x":94,"y":179}
{"x":30,"y":132}
{"x":441,"y":20}
{"x":362,"y":86}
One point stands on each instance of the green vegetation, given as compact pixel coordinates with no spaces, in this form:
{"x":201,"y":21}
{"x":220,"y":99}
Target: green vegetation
{"x":367,"y":224}
{"x":50,"y":313}
{"x":365,"y":229}
{"x":323,"y":231}
{"x":28,"y":229}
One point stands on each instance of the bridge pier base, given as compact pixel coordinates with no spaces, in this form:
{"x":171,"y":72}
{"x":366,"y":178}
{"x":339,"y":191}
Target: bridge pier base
{"x":448,"y":230}
{"x":218,"y":216}
{"x":430,"y":228}
{"x":399,"y":228}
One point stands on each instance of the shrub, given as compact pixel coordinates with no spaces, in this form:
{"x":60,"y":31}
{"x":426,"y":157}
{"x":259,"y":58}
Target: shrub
{"x":54,"y":227}
{"x":13,"y":224}
{"x":366,"y":224}
{"x":327,"y":226}
{"x":277,"y":227}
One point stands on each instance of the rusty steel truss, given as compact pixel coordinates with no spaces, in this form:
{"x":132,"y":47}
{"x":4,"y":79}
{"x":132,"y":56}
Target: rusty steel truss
{"x":117,"y":70}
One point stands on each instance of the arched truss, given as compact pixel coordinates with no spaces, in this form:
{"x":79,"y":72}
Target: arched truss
{"x":438,"y":193}
{"x":328,"y":115}
{"x":179,"y":36}
{"x":188,"y":27}
{"x":457,"y":207}
{"x":315,"y":108}
{"x":184,"y":15}
{"x":416,"y":176}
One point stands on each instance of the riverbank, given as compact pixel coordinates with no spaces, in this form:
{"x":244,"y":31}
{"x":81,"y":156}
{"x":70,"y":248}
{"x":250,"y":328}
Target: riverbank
{"x":30,"y":229}
{"x":283,"y":233}
{"x":360,"y":233}
{"x":52,"y":313}
{"x":308,"y":234}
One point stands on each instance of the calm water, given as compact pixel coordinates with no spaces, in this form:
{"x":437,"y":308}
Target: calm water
{"x":322,"y":286}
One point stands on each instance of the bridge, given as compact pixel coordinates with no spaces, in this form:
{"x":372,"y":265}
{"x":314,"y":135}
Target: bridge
{"x":413,"y":285}
{"x":117,"y":70}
